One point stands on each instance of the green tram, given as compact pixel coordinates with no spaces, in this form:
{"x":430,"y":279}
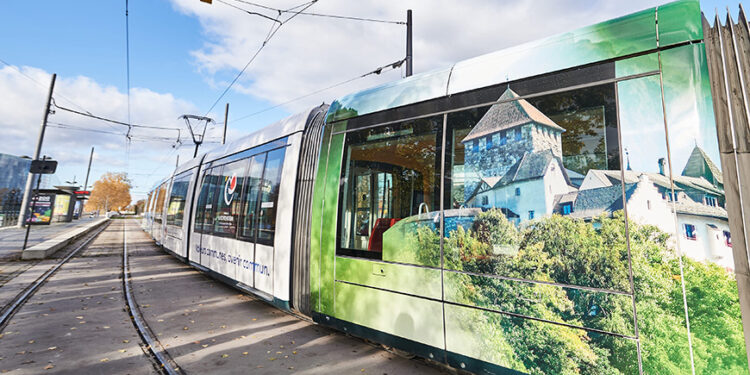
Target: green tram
{"x":574,"y":205}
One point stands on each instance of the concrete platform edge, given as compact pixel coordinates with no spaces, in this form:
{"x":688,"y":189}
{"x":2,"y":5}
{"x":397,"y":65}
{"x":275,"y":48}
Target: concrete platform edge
{"x":49,"y":247}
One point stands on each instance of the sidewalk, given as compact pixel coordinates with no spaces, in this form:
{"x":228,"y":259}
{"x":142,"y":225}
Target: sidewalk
{"x":11,"y":240}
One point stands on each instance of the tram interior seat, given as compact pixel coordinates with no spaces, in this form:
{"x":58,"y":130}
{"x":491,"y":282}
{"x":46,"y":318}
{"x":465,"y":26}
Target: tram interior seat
{"x":376,"y":237}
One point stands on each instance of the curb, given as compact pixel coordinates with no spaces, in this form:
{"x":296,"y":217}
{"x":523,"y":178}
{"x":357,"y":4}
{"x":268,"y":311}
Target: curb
{"x":49,"y":247}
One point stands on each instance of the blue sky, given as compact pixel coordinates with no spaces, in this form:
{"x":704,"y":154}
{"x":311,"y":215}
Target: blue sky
{"x":184,"y":52}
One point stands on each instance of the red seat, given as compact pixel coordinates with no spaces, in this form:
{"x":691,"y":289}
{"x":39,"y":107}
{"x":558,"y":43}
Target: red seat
{"x":376,"y":237}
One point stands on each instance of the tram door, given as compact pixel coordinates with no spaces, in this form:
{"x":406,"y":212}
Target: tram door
{"x":373,"y":197}
{"x":385,"y":274}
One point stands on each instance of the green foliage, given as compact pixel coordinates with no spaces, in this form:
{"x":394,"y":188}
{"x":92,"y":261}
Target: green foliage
{"x":427,"y":241}
{"x":594,"y":254}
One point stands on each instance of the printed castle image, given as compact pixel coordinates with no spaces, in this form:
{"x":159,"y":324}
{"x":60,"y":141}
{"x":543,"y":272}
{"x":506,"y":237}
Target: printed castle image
{"x":514,"y":163}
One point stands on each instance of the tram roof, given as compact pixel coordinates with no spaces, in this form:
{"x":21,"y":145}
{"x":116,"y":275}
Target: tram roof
{"x":280,"y":129}
{"x":679,"y":22}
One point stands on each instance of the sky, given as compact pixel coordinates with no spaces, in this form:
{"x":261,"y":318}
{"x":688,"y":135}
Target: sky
{"x":184,"y":54}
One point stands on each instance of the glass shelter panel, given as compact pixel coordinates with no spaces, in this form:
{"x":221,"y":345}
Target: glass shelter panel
{"x":390,"y":193}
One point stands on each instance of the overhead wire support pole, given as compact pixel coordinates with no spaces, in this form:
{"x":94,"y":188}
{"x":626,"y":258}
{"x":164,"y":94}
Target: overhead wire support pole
{"x":30,"y":178}
{"x":409,"y":56}
{"x":33,"y":206}
{"x":88,"y":171}
{"x":226,"y":119}
{"x":127,"y":62}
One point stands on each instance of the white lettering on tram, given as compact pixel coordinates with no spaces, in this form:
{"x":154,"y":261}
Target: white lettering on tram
{"x":235,"y":260}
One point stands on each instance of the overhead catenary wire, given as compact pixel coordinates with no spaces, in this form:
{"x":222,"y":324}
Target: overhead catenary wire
{"x":89,"y":114}
{"x":66,"y":126}
{"x":249,"y":12}
{"x":133,"y":136}
{"x":272,"y":31}
{"x":377,"y":70}
{"x":352,"y":18}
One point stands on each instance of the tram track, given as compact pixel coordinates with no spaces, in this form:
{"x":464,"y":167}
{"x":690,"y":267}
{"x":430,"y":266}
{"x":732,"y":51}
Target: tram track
{"x":160,"y":360}
{"x":163,"y":362}
{"x":19,"y":300}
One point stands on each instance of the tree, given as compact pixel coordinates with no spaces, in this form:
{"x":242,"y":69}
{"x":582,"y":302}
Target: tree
{"x":580,"y":274}
{"x":111,"y":191}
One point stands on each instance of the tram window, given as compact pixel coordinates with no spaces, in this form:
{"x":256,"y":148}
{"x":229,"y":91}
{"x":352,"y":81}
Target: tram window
{"x":269,"y":194}
{"x":177,"y":196}
{"x":390,"y":173}
{"x":200,"y":212}
{"x":249,"y":216}
{"x":147,"y":206}
{"x":160,"y":202}
{"x":212,"y":194}
{"x":229,"y":198}
{"x":566,"y":138}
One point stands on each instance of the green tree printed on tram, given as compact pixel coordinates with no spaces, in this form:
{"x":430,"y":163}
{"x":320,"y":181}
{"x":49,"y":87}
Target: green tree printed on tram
{"x":560,"y":249}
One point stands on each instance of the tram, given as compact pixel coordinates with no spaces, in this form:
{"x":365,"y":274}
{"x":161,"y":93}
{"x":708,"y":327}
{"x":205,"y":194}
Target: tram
{"x":568,"y":206}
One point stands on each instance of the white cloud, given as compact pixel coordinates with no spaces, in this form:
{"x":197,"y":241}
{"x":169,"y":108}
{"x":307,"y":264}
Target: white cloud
{"x":309,"y":52}
{"x":21,"y":113}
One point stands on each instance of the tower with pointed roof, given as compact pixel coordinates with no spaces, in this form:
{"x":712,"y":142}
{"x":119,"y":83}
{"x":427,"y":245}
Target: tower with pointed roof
{"x":699,"y":164}
{"x":510,"y":130}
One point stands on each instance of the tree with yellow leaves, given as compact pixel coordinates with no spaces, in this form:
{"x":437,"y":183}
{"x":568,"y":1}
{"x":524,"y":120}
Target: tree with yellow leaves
{"x":110,"y":192}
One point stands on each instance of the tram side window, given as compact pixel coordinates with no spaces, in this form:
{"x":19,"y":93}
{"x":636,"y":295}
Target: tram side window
{"x":390,"y":174}
{"x":269,"y":194}
{"x":204,"y":213}
{"x":176,"y":207}
{"x":249,"y":216}
{"x":160,"y":202}
{"x":211,"y":198}
{"x":200,"y":212}
{"x":229,"y":198}
{"x":147,"y":206}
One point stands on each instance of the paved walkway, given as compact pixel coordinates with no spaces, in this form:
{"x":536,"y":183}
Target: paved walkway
{"x":210,"y":328}
{"x":76,"y":323}
{"x":11,"y":239}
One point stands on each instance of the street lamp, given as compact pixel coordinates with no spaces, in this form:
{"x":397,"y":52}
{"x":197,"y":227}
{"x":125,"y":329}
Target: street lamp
{"x":197,"y":131}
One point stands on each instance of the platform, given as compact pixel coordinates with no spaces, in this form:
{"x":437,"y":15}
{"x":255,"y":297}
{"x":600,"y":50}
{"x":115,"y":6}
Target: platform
{"x":43,"y":240}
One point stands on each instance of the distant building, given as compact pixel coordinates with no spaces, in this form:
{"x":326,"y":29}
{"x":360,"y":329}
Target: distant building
{"x":513,"y":162}
{"x":694,"y":212}
{"x":513,"y":153}
{"x":14,"y":170}
{"x":700,"y":165}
